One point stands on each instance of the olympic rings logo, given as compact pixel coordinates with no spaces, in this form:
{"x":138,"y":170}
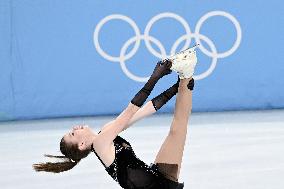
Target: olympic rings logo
{"x":162,"y":54}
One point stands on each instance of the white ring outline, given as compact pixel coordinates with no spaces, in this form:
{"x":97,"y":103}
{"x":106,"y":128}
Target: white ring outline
{"x":124,"y":48}
{"x":98,"y":28}
{"x":214,"y":54}
{"x":211,"y":45}
{"x":158,"y":17}
{"x":233,"y":20}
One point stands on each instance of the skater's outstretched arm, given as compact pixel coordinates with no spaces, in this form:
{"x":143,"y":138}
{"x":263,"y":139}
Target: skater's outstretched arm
{"x":154,"y":105}
{"x":146,"y":110}
{"x":113,"y":128}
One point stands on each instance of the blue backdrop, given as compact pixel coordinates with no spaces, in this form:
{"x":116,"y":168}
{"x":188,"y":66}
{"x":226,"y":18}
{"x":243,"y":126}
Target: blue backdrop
{"x":75,"y":58}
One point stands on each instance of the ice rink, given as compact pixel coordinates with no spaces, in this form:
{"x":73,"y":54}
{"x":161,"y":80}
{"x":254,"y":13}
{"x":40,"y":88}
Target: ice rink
{"x":228,"y":150}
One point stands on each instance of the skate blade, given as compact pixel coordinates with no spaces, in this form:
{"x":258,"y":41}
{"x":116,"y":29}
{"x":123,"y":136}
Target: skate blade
{"x":172,"y":57}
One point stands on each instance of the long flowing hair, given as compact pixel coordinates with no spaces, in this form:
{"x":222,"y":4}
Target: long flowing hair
{"x":72,"y":155}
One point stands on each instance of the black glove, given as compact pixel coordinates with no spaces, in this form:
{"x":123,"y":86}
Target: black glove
{"x":165,"y":96}
{"x":190,"y":84}
{"x":161,"y":69}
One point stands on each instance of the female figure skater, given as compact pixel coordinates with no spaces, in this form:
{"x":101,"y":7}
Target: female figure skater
{"x":116,"y":154}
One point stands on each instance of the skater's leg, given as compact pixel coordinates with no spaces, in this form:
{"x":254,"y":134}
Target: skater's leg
{"x":169,"y":157}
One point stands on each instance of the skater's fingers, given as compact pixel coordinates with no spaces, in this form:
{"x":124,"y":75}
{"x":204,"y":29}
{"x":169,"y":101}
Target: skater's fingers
{"x":157,"y":65}
{"x":168,"y":64}
{"x":178,"y":80}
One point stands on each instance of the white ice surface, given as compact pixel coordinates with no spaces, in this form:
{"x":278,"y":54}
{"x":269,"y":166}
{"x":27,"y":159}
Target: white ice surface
{"x":231,"y":150}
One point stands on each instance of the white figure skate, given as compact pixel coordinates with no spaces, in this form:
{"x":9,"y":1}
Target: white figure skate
{"x":184,"y":62}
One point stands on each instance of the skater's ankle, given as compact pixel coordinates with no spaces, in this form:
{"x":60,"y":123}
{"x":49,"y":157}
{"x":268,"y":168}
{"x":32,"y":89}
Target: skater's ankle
{"x":185,"y":81}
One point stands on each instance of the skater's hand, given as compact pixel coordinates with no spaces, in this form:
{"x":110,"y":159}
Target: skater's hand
{"x":162,"y":68}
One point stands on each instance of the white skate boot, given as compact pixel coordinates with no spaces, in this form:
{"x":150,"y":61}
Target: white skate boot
{"x":184,"y":62}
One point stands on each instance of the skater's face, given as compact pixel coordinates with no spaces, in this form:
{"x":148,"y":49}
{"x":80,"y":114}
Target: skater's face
{"x":80,"y":135}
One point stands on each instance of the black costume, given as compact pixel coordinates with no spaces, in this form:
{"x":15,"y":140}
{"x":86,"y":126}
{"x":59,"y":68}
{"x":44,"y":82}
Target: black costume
{"x":127,"y":169}
{"x":132,"y":173}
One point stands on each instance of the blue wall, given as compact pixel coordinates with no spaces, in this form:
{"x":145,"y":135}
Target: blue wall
{"x":50,"y":67}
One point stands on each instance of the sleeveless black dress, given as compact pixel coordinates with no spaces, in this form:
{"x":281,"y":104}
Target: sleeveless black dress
{"x":132,"y":173}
